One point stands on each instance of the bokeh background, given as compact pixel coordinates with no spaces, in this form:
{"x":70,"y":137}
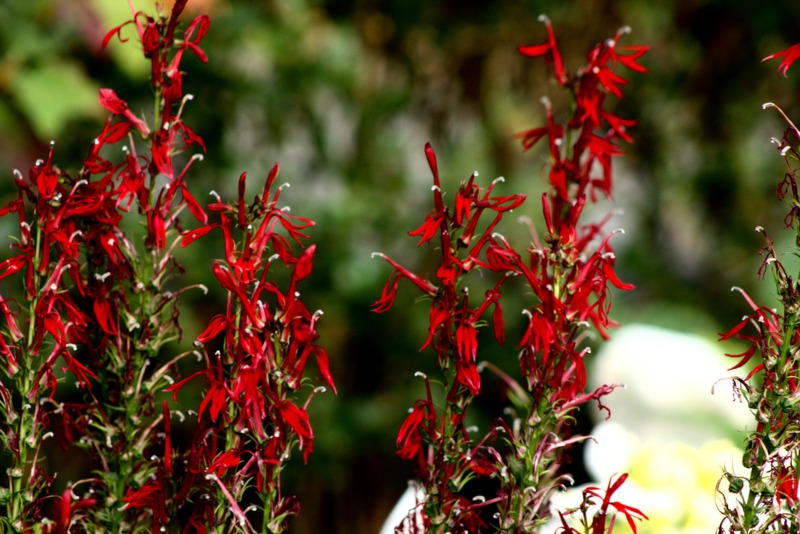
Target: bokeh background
{"x":344,"y":93}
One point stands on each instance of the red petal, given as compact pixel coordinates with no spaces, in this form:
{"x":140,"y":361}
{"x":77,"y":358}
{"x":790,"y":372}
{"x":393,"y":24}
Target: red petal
{"x":304,"y":264}
{"x":534,"y":50}
{"x":215,"y":326}
{"x":189,"y":237}
{"x":108,"y":99}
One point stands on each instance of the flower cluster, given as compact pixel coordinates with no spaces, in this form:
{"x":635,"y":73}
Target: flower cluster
{"x":249,"y":422}
{"x":569,"y":271}
{"x":452,"y":459}
{"x":101,"y":293}
{"x":768,"y":499}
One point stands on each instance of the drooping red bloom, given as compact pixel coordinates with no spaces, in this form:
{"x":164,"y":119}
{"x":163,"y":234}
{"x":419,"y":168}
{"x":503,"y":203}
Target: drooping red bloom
{"x":630,"y":513}
{"x":788,"y":57}
{"x":109,"y":100}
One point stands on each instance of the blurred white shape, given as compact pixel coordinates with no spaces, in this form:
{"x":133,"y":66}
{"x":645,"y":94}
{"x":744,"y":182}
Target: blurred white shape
{"x":611,"y":451}
{"x":669,"y":377}
{"x":406,"y":506}
{"x":667,"y":429}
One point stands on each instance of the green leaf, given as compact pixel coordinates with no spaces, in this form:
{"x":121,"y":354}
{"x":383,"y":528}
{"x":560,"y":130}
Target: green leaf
{"x":53,"y":94}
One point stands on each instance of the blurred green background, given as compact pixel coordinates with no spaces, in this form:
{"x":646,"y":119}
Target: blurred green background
{"x":345,"y":94}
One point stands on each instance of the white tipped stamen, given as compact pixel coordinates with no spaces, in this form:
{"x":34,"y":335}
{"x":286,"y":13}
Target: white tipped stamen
{"x":420,"y":374}
{"x":498,"y":180}
{"x":759,"y":228}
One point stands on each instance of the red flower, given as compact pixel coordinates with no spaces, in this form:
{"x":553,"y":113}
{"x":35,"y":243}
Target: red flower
{"x":548,"y":47}
{"x":66,"y":507}
{"x":109,"y":100}
{"x":409,"y":439}
{"x":630,"y":513}
{"x":789,"y":55}
{"x":297,"y":419}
